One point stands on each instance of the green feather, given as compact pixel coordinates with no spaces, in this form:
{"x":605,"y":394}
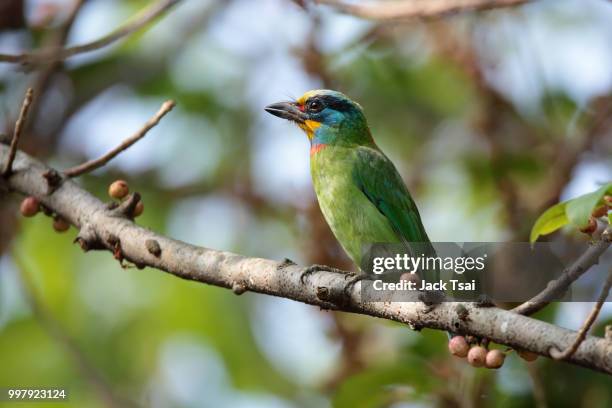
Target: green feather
{"x":365,"y":201}
{"x":380,"y":182}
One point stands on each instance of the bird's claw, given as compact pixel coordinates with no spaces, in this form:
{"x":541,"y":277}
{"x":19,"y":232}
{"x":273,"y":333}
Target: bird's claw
{"x":485,"y":300}
{"x":352,"y":278}
{"x":316,"y":268}
{"x":431,"y":299}
{"x":285,"y":263}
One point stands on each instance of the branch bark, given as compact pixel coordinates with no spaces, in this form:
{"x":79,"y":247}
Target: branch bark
{"x":101,"y":228}
{"x":407,"y":9}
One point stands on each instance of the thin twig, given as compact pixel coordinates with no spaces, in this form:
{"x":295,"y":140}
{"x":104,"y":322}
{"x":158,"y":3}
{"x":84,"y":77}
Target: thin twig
{"x":101,"y":161}
{"x":586,"y":326}
{"x":44,"y":79}
{"x":25,"y":106}
{"x":64,"y":30}
{"x":407,"y":9}
{"x":136,"y":23}
{"x":559,"y":286}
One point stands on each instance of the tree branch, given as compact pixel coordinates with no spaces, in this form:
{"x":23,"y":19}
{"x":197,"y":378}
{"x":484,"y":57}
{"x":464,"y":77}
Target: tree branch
{"x":407,"y":9}
{"x":557,"y":288}
{"x":100,"y":228}
{"x":50,"y":55}
{"x":91,"y":165}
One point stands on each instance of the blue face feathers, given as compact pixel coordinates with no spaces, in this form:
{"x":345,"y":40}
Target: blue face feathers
{"x":327,"y":117}
{"x":330,"y":108}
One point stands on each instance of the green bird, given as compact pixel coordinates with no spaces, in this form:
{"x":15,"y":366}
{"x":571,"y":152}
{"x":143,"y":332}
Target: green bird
{"x":360,"y":192}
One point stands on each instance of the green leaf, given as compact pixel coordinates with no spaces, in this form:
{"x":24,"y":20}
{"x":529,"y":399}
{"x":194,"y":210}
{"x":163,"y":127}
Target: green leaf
{"x":579,"y":209}
{"x":576,"y":211}
{"x":550,"y":220}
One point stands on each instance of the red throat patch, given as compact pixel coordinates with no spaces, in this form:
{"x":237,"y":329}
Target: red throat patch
{"x":315,"y":148}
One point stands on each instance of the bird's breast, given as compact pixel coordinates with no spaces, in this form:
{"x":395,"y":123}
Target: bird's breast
{"x":353,"y":219}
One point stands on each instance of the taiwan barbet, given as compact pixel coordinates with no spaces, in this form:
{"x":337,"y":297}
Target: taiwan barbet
{"x":361,"y":194}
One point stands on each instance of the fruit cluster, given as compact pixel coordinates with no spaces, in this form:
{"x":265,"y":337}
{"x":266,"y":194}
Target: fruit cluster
{"x":30,"y":206}
{"x":119,"y":189}
{"x":594,"y":225}
{"x":479,"y":356}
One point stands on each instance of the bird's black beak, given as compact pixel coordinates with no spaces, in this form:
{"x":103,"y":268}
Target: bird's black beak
{"x":287,"y":110}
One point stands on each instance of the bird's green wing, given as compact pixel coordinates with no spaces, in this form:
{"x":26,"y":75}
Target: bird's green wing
{"x":380,"y":182}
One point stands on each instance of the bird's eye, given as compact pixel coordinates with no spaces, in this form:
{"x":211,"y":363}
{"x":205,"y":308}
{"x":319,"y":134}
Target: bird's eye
{"x":314,"y":106}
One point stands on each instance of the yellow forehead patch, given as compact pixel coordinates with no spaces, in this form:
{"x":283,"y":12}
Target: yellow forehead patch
{"x":302,"y":100}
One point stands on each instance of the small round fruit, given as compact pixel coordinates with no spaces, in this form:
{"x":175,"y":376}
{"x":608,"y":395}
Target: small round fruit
{"x":29,"y":206}
{"x":138,"y":209}
{"x":458,"y":346}
{"x":118,"y":189}
{"x":494,"y":359}
{"x":60,"y":224}
{"x":608,"y":200}
{"x":477,"y":356}
{"x":590,"y":227}
{"x":600,"y":211}
{"x":527,"y":355}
